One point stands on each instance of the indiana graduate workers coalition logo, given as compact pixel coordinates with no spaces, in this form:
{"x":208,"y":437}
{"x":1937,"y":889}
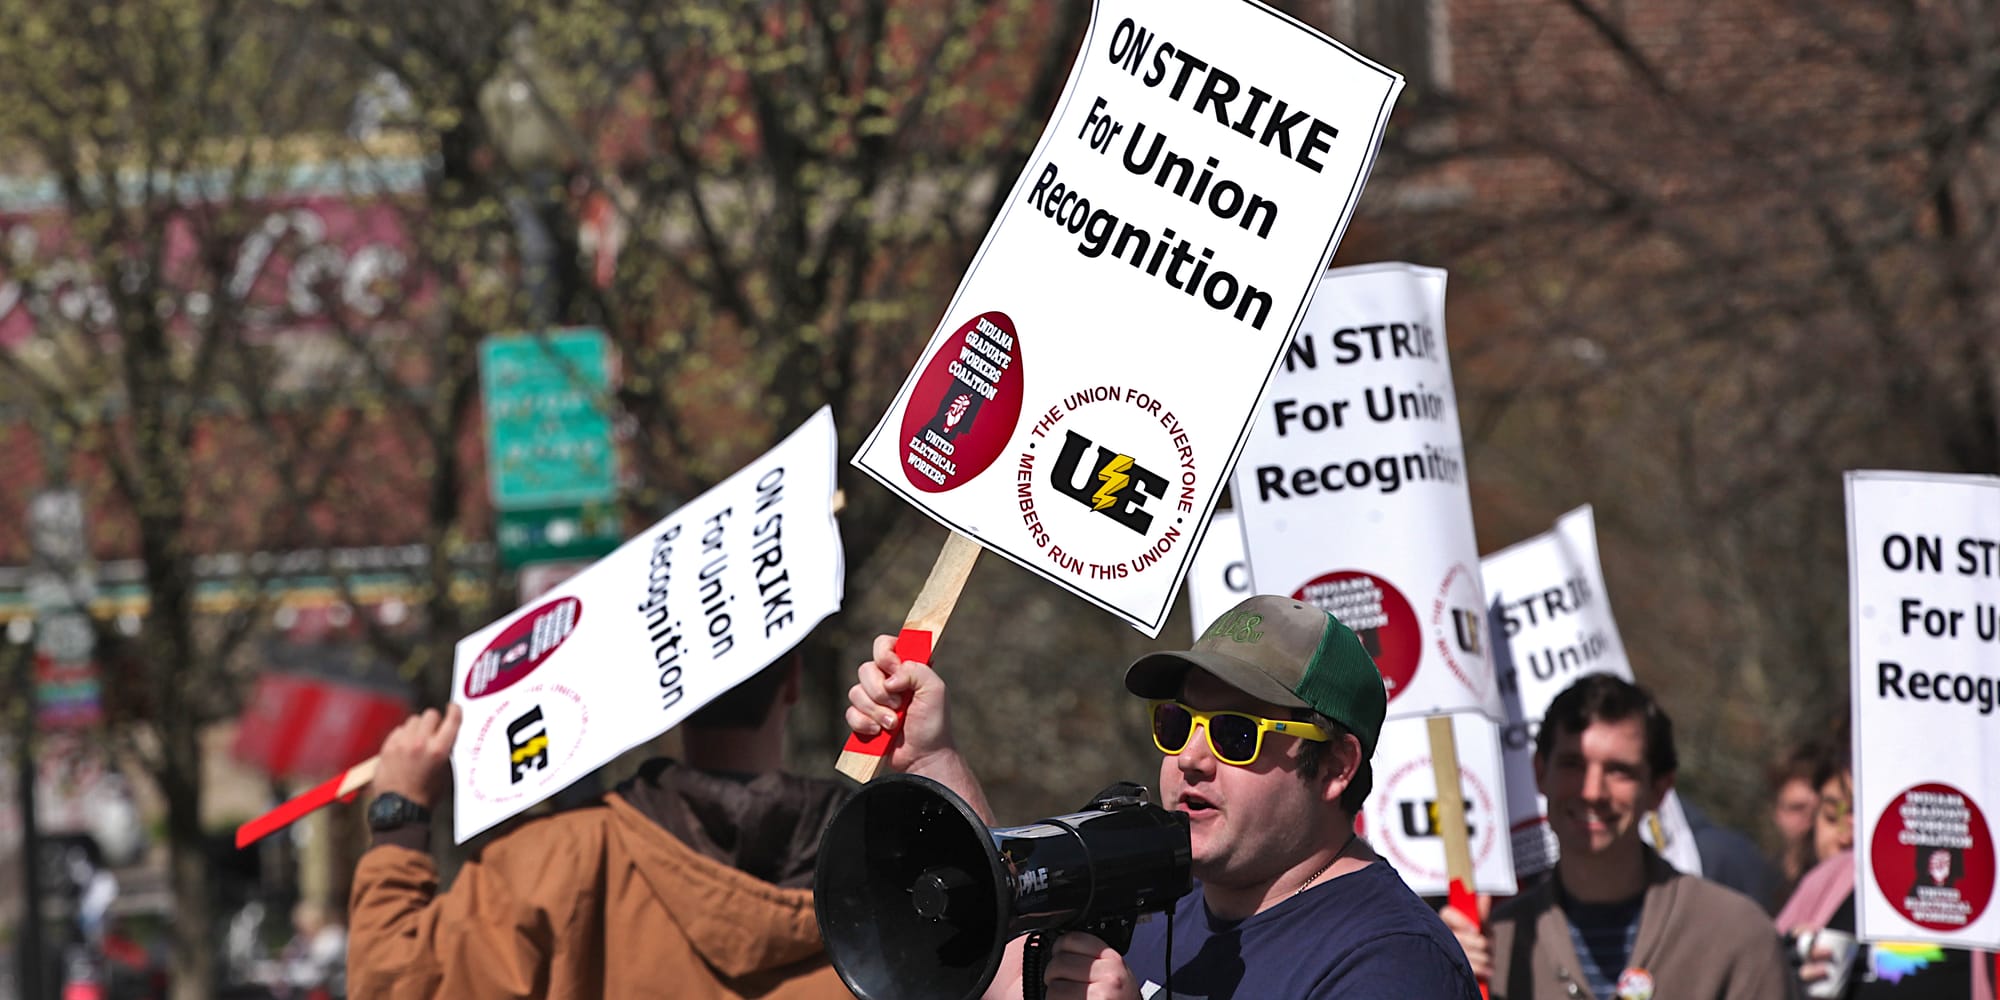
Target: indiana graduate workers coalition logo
{"x":1107,"y":483}
{"x":1389,"y":628}
{"x":1380,"y":616}
{"x":1932,"y":856}
{"x":964,"y":406}
{"x":523,"y":646}
{"x":521,"y":742}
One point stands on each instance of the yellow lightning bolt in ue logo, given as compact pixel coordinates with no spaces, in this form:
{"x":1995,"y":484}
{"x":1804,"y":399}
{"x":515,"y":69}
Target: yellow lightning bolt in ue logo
{"x":1116,"y":477}
{"x":533,"y":747}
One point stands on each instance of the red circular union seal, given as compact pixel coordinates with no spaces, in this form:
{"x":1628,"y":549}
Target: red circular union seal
{"x":1932,"y":856}
{"x":1379,"y":614}
{"x":965,"y":405}
{"x":522,"y":646}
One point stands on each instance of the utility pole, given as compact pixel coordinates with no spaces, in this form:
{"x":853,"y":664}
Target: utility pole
{"x":61,"y":585}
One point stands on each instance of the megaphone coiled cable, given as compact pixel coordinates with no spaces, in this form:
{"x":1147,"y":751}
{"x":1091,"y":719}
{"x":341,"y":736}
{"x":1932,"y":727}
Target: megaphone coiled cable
{"x":1035,"y":963}
{"x":1035,"y":966}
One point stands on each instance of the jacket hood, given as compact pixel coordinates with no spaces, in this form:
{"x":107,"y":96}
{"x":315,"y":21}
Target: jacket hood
{"x":767,"y":824}
{"x":739,"y":924}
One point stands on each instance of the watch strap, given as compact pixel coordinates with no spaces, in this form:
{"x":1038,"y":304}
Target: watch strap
{"x":397,"y":820}
{"x":415,"y":836}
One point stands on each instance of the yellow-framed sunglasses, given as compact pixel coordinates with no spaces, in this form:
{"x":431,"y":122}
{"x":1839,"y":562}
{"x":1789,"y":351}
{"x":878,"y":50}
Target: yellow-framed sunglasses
{"x":1234,"y":737}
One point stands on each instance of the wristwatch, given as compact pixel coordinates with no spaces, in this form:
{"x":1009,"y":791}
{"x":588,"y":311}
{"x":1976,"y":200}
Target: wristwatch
{"x":390,"y":811}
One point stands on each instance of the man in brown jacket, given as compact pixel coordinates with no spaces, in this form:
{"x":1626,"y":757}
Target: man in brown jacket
{"x":1616,"y":922}
{"x":691,"y":880}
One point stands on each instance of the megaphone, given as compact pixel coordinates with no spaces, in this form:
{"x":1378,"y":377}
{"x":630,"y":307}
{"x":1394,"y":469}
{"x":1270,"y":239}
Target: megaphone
{"x":917,"y":898}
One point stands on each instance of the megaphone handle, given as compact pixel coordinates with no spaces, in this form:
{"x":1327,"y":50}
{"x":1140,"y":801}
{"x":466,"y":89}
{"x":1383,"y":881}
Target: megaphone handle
{"x":863,"y":758}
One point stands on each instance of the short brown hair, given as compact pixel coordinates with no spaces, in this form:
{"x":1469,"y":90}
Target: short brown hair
{"x":749,"y":703}
{"x":1608,"y":698}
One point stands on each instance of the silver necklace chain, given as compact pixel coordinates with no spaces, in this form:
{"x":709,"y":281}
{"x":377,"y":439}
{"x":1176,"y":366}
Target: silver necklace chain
{"x":1314,"y":877}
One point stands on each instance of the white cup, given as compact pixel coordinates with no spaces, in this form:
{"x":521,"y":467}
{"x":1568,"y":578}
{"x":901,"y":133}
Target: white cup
{"x":1841,"y":948}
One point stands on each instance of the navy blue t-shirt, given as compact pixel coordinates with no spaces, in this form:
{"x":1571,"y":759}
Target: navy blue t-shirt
{"x":1362,"y":936}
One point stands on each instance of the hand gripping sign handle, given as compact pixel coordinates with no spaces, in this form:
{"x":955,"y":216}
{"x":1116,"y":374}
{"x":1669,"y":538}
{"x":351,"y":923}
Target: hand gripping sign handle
{"x":1451,"y":820}
{"x":341,"y":787}
{"x":1466,"y":902}
{"x":862,"y":759}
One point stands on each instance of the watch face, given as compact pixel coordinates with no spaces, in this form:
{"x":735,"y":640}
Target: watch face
{"x":390,"y":810}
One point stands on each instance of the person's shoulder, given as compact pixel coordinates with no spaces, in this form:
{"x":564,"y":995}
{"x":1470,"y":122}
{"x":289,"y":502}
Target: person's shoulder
{"x":1714,"y":899}
{"x":1524,"y":908}
{"x":1730,"y":857}
{"x":1378,"y":884}
{"x":1406,"y":963}
{"x":1725,"y":923}
{"x":564,"y":831}
{"x":1392,"y":909}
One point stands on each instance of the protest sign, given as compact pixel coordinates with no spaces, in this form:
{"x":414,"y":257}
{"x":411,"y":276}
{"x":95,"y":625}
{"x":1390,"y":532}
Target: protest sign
{"x":1353,"y":493}
{"x":1219,"y":578}
{"x":621,"y":652}
{"x":1401,"y":815}
{"x":1353,"y":497}
{"x":1552,"y":624}
{"x":1924,"y":573}
{"x":1091,"y":383}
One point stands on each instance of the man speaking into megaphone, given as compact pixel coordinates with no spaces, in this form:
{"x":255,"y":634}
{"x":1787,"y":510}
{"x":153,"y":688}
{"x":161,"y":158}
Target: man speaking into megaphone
{"x":1267,"y":726}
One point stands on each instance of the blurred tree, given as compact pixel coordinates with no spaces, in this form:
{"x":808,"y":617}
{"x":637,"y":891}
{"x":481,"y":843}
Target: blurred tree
{"x":198,"y":235}
{"x":1719,"y":255}
{"x":794,"y":188}
{"x":777,"y":198}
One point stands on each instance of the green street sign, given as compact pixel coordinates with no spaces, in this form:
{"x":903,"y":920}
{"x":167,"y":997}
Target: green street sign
{"x":577,"y":531}
{"x":548,"y":432}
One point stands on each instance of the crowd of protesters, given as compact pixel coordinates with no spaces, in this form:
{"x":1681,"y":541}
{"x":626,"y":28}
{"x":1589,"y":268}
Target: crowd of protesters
{"x":690,"y":879}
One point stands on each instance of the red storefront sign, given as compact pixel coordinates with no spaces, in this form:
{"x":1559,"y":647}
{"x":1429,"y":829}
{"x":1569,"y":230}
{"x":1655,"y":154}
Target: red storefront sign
{"x":305,"y":727}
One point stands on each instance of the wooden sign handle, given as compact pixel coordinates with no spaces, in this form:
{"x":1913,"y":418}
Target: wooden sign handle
{"x":863,"y":759}
{"x":341,"y":787}
{"x":1450,"y":800}
{"x":1451,"y":820}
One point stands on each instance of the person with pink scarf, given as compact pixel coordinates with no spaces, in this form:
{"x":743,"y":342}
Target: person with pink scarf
{"x":1824,"y":901}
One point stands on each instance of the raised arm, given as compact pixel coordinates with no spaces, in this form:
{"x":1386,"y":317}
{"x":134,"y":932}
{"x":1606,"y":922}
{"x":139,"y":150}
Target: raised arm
{"x":488,"y":936}
{"x":924,"y":745}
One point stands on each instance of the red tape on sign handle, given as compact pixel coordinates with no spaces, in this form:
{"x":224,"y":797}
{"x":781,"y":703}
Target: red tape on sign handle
{"x":322,"y":794}
{"x":1467,"y":904}
{"x":911,"y":644}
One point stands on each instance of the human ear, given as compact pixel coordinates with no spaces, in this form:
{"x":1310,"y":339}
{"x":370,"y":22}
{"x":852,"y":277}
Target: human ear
{"x":1343,"y":766}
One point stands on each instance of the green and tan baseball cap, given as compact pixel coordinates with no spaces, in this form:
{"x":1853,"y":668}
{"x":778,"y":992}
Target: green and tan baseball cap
{"x":1282,"y":651}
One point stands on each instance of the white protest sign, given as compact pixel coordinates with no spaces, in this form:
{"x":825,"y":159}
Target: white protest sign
{"x":621,"y":652}
{"x":1401,"y":818}
{"x":1669,"y":833}
{"x":1092,"y":380}
{"x":1219,"y":578}
{"x":1923,"y":555}
{"x":1352,"y":489}
{"x":1552,"y":624}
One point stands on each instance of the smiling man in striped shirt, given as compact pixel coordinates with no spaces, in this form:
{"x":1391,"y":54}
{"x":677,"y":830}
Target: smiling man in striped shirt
{"x":1616,"y":922}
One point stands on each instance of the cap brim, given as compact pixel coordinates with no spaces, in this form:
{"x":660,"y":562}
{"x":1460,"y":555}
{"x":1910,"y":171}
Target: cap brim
{"x":1159,"y":675}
